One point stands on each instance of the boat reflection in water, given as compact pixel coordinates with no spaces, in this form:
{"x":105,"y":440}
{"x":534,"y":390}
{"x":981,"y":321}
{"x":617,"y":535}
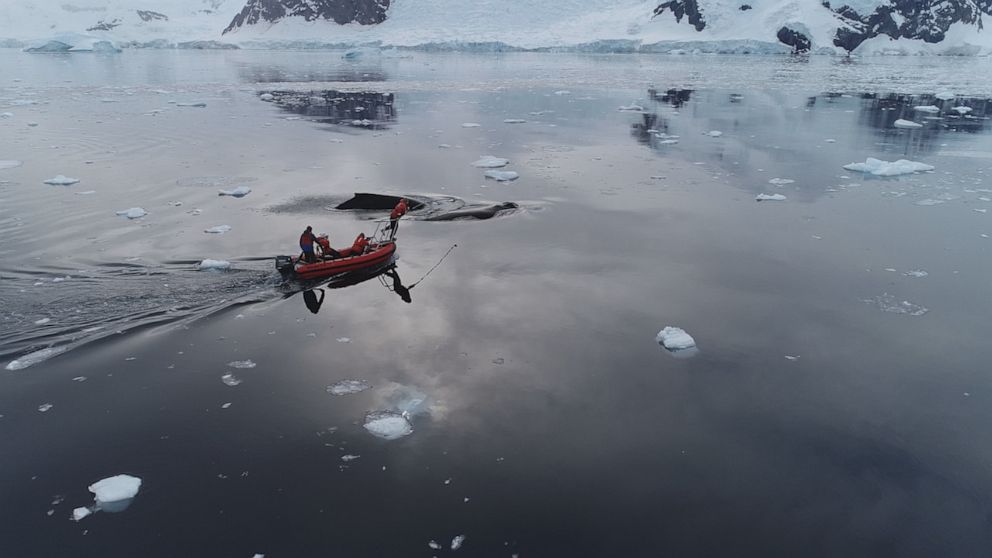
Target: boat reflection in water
{"x":388,"y":276}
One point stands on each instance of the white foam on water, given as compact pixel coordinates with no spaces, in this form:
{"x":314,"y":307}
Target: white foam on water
{"x":918,"y":273}
{"x":349,"y":457}
{"x":387,"y":425}
{"x":44,"y":407}
{"x":348,"y":387}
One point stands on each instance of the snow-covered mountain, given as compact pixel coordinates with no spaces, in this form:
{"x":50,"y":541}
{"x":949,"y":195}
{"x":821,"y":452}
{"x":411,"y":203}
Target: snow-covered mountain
{"x":749,"y":26}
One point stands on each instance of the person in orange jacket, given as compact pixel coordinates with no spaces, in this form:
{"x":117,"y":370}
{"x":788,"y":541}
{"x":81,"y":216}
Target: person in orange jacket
{"x":394,"y":216}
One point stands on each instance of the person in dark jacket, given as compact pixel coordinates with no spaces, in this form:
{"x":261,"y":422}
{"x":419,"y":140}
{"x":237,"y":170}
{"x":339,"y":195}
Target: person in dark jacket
{"x":306,"y":244}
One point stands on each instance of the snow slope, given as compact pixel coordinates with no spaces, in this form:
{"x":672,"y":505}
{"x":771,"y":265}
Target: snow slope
{"x":591,"y":25}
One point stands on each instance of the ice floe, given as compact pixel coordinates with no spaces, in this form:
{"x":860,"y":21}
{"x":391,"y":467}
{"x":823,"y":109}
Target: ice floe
{"x":213,"y":265}
{"x":878,"y":167}
{"x":242,"y":364}
{"x":230,"y":380}
{"x":115,"y":489}
{"x":239,"y":192}
{"x":80,"y":512}
{"x":781,"y":181}
{"x":9,"y":164}
{"x":387,"y":425}
{"x":906,"y":124}
{"x":457,"y":542}
{"x":348,"y":387}
{"x":675,"y":338}
{"x":61,"y":180}
{"x":490,"y":162}
{"x":219,"y":229}
{"x":714,"y":133}
{"x":434,"y":545}
{"x":769,"y":197}
{"x":890,"y":303}
{"x":132,"y":213}
{"x":502,"y":176}
{"x":31,"y":359}
{"x":927,"y":108}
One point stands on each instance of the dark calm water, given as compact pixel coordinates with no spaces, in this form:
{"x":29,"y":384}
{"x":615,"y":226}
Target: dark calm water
{"x":839,"y":403}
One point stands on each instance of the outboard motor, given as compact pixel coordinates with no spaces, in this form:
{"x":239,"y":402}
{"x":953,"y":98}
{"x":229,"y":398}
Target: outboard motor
{"x":284,"y":264}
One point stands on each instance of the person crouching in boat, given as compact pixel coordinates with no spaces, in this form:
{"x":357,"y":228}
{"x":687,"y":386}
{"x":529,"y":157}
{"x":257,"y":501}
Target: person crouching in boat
{"x":394,"y":217}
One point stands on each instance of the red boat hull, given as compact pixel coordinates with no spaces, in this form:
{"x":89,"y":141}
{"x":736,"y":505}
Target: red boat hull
{"x":375,"y":256}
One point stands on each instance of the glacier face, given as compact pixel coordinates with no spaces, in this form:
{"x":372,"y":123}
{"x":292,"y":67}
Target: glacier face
{"x":677,"y":26}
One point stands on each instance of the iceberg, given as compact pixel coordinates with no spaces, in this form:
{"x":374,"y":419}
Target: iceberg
{"x":387,"y":425}
{"x":132,"y":213}
{"x":61,"y":180}
{"x":906,"y":124}
{"x":50,"y":46}
{"x":769,"y":197}
{"x":213,"y":265}
{"x":502,"y":176}
{"x":490,"y":162}
{"x":239,"y":192}
{"x":878,"y":167}
{"x":219,"y":229}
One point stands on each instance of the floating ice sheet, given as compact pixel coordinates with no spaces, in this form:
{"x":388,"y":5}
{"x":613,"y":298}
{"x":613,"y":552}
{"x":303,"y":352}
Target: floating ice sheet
{"x":878,"y":167}
{"x":348,"y":387}
{"x":115,"y":489}
{"x":906,"y":124}
{"x":457,"y":542}
{"x":387,"y":425}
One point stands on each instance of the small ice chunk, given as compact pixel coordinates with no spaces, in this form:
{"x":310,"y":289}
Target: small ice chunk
{"x":44,"y":407}
{"x":490,"y":162}
{"x":502,"y":176}
{"x":80,"y":512}
{"x":471,"y":125}
{"x":344,"y":339}
{"x":632,"y":107}
{"x":714,"y":133}
{"x":769,"y":197}
{"x":945,"y":95}
{"x":42,"y":321}
{"x":213,"y":265}
{"x":387,"y":425}
{"x":456,"y":542}
{"x":791,"y":357}
{"x":115,"y":489}
{"x":349,"y":457}
{"x":225,"y":405}
{"x":239,"y":192}
{"x":9,"y":164}
{"x":85,"y":193}
{"x":198,"y":104}
{"x":927,"y":108}
{"x":906,"y":124}
{"x":31,"y":359}
{"x":348,"y":387}
{"x":830,"y":140}
{"x":889,"y":303}
{"x":242,"y":364}
{"x":62,"y":180}
{"x":219,"y":229}
{"x":266,"y":97}
{"x":563,"y":92}
{"x":433,"y":544}
{"x":675,"y":338}
{"x":444,"y":146}
{"x":878,"y":167}
{"x":962,"y":110}
{"x":133,"y":213}
{"x":514,"y":121}
{"x":929,"y":201}
{"x":918,"y":273}
{"x":781,"y":181}
{"x":230,"y":380}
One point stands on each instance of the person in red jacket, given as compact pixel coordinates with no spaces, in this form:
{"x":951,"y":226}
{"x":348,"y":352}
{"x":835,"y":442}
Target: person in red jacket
{"x":394,"y":217}
{"x":306,"y":244}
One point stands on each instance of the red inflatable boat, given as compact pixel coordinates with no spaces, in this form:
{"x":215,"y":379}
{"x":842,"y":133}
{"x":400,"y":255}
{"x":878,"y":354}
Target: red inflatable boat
{"x":374,"y":255}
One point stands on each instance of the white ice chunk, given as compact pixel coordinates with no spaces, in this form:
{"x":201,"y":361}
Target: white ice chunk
{"x":632,"y":107}
{"x":133,"y":213}
{"x":242,"y":364}
{"x":9,"y":164}
{"x":781,"y":181}
{"x":769,"y":197}
{"x":239,"y":192}
{"x":675,"y":338}
{"x":456,"y":542}
{"x":962,"y":110}
{"x":42,"y":321}
{"x":927,"y":108}
{"x":433,"y":544}
{"x":44,"y":407}
{"x":918,"y":273}
{"x":348,"y":387}
{"x":219,"y":229}
{"x":502,"y":176}
{"x":79,"y":513}
{"x":878,"y":167}
{"x":116,"y":488}
{"x":490,"y":162}
{"x":513,"y":121}
{"x":344,"y":339}
{"x":563,"y":92}
{"x":387,"y":425}
{"x":31,"y":359}
{"x":230,"y":380}
{"x":945,"y":95}
{"x":349,"y":457}
{"x":906,"y":124}
{"x":213,"y":265}
{"x":471,"y":125}
{"x":929,"y":201}
{"x":714,"y":133}
{"x":266,"y":97}
{"x":889,"y":303}
{"x":61,"y":180}
{"x":198,"y":104}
